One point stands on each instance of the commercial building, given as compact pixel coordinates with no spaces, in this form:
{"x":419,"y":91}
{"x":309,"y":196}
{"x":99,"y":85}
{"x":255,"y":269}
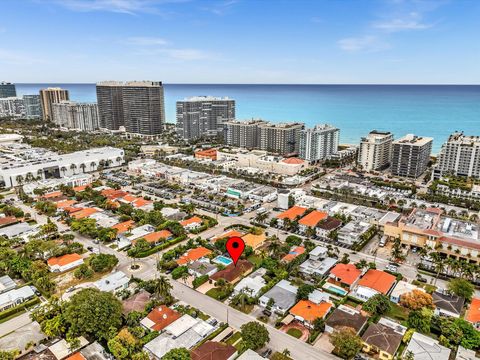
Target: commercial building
{"x":319,"y":143}
{"x":7,"y":90}
{"x":51,"y":96}
{"x":283,"y":138}
{"x":73,"y":115}
{"x":459,"y":156}
{"x":12,"y":107}
{"x":375,"y":150}
{"x":411,"y":155}
{"x":33,"y":107}
{"x":203,"y":116}
{"x":137,"y":105}
{"x":23,"y":164}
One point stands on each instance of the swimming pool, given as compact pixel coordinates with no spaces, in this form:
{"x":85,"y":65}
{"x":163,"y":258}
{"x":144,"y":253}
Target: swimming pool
{"x":223,"y":260}
{"x":336,"y":290}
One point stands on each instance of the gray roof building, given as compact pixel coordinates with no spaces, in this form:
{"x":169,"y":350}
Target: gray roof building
{"x":425,"y":348}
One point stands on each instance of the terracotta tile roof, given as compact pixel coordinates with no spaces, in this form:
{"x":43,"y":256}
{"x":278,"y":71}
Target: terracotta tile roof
{"x":155,"y":236}
{"x":52,"y":195}
{"x":293,"y":161}
{"x":254,"y":241}
{"x":124,"y":226}
{"x":63,"y":260}
{"x":313,"y":218}
{"x":76,"y":356}
{"x":85,"y":212}
{"x":473,"y":313}
{"x":377,"y":280}
{"x":193,"y":254}
{"x":65,"y":203}
{"x":292,"y":213}
{"x":141,"y":202}
{"x":163,"y":316}
{"x":296,"y":251}
{"x":71,"y":209}
{"x":346,"y":273}
{"x":232,"y":272}
{"x":129,"y":198}
{"x":310,"y":311}
{"x":212,"y":350}
{"x":136,"y":302}
{"x":209,"y":153}
{"x":113,"y":194}
{"x":192,"y":220}
{"x":80,"y":188}
{"x":228,"y":234}
{"x":463,"y":243}
{"x":7,"y":220}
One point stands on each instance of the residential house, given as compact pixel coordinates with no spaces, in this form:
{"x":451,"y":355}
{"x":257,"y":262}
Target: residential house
{"x":250,"y":355}
{"x":423,"y":347}
{"x":232,"y":273}
{"x":251,"y":284}
{"x":64,"y":262}
{"x":124,"y":226}
{"x":61,"y":349}
{"x":345,"y":275}
{"x":307,"y":311}
{"x":84,"y":213}
{"x":283,"y":295}
{"x":465,"y":354}
{"x":136,"y":302}
{"x":95,"y":351}
{"x":345,"y":316}
{"x":193,"y":255}
{"x":8,"y":220}
{"x":6,"y":284}
{"x":311,"y":220}
{"x":104,"y":219}
{"x":22,"y":229}
{"x":327,"y":226}
{"x":200,"y":268}
{"x":295,"y":252}
{"x":212,"y":350}
{"x":402,"y":288}
{"x":126,"y":238}
{"x":192,"y":223}
{"x":372,"y":283}
{"x":15,"y":297}
{"x":155,"y":237}
{"x":383,"y":338}
{"x":318,"y":264}
{"x":473,"y":313}
{"x":352,"y":232}
{"x":448,"y":304}
{"x":159,"y":318}
{"x":227,"y":234}
{"x":292,"y":214}
{"x":254,"y":241}
{"x":113,"y":282}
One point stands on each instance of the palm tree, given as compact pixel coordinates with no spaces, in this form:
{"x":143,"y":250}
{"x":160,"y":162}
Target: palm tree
{"x":93,"y":165}
{"x":286,"y":352}
{"x":63,"y":169}
{"x":438,"y":262}
{"x":119,"y":159}
{"x":162,"y":288}
{"x":83,"y":166}
{"x":184,"y":277}
{"x":274,"y":247}
{"x":73,"y":167}
{"x":29,"y":176}
{"x":19,"y":179}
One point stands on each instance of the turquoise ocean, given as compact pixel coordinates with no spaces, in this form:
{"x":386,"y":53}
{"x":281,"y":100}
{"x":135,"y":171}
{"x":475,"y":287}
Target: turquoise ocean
{"x":424,"y":110}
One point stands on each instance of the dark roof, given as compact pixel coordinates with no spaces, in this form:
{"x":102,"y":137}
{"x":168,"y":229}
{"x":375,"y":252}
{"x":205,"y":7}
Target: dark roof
{"x":452,"y":303}
{"x":212,"y":350}
{"x":136,"y":302}
{"x":353,"y":319}
{"x":329,"y":223}
{"x":232,"y":272}
{"x":383,"y":337}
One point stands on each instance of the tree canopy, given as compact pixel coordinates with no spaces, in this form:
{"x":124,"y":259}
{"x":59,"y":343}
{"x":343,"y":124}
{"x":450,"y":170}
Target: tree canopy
{"x":461,"y":287}
{"x":346,"y":342}
{"x":254,"y":335}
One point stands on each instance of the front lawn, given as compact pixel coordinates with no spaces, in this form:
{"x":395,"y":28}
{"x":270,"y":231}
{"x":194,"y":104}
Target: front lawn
{"x":255,"y":260}
{"x":295,"y":333}
{"x":218,"y":294}
{"x":397,"y":312}
{"x":234,"y":338}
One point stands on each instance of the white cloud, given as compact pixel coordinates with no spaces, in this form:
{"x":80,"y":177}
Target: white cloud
{"x":145,"y":41}
{"x":221,"y":8}
{"x":131,"y":7}
{"x":412,"y":21}
{"x":367,"y":43}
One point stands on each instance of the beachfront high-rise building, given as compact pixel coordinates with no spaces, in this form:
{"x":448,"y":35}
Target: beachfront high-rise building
{"x":203,"y":116}
{"x":459,"y":156}
{"x":281,"y":138}
{"x":7,"y":90}
{"x":410,"y":155}
{"x":136,"y":105}
{"x":12,"y":107}
{"x":375,"y":150}
{"x":79,"y":116}
{"x":51,"y":96}
{"x":319,"y":143}
{"x":33,"y":108}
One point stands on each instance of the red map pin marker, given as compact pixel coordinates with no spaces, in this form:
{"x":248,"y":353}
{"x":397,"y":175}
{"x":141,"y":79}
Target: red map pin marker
{"x":235,"y":247}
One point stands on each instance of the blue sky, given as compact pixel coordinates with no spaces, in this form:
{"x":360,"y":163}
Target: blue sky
{"x":241,"y":41}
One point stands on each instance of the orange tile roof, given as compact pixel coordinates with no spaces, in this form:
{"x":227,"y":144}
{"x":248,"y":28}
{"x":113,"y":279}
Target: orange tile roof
{"x":129,"y":198}
{"x":162,"y":316}
{"x":292,"y":213}
{"x":71,"y":209}
{"x":141,"y":202}
{"x":347,"y":273}
{"x":52,"y":194}
{"x":124,"y":226}
{"x":211,"y":350}
{"x":228,"y":234}
{"x":209,"y":153}
{"x":313,"y":218}
{"x":193,"y":254}
{"x":296,"y":251}
{"x":63,"y":260}
{"x":192,"y":220}
{"x":76,"y":356}
{"x":310,"y":311}
{"x":8,"y":220}
{"x":157,"y":235}
{"x":65,"y":203}
{"x":473,"y":312}
{"x":377,"y":280}
{"x":113,"y":194}
{"x":293,"y":161}
{"x":84,"y":213}
{"x":254,"y":241}
{"x":80,"y":188}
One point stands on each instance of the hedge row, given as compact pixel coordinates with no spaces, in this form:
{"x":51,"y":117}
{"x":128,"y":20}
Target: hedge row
{"x":9,"y":312}
{"x":160,"y":247}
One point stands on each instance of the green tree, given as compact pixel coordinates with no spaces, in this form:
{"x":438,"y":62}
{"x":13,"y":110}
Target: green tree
{"x":346,"y":342}
{"x":461,"y":287}
{"x":304,"y":290}
{"x":420,"y":320}
{"x":93,"y":312}
{"x":103,"y":262}
{"x":177,"y":354}
{"x":254,"y":335}
{"x":378,"y":304}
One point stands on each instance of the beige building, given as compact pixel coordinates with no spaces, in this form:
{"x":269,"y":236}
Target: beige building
{"x":375,"y":151}
{"x":51,"y":96}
